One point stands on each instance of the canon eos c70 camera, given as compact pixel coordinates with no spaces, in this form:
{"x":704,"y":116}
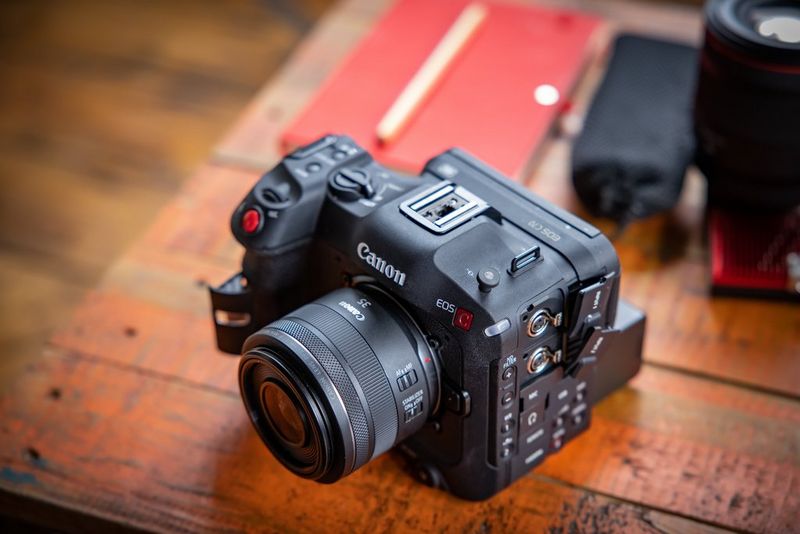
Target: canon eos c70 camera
{"x":454,"y":314}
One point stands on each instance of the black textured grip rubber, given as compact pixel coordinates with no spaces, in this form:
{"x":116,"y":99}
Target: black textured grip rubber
{"x":340,"y":379}
{"x":366,"y":368}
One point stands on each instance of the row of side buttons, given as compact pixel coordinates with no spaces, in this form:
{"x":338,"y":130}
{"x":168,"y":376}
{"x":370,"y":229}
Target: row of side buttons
{"x":507,"y":392}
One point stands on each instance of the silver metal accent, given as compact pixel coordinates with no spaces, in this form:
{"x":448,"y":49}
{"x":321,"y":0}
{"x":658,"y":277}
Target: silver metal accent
{"x":533,"y":437}
{"x":415,"y":206}
{"x":458,"y":213}
{"x":534,"y":456}
{"x":537,"y":325}
{"x":541,"y":358}
{"x":432,"y":198}
{"x":497,"y":328}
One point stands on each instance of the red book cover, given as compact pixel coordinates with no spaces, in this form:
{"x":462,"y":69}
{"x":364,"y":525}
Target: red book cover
{"x":484,"y":101}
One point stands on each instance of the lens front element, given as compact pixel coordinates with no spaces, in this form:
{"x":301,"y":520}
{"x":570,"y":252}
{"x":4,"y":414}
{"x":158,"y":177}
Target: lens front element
{"x":283,"y":408}
{"x":283,"y":414}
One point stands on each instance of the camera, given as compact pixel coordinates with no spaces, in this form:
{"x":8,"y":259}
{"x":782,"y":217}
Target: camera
{"x":453,"y":314}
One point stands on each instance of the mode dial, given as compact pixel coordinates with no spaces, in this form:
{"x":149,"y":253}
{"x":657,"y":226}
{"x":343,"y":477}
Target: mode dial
{"x":352,"y":184}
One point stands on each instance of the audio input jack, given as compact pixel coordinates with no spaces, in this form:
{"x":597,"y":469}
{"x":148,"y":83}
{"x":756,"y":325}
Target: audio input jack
{"x":538,"y":323}
{"x":540,"y":359}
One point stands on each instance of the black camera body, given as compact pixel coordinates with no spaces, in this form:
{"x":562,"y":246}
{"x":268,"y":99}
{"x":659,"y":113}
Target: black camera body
{"x":455,"y":314}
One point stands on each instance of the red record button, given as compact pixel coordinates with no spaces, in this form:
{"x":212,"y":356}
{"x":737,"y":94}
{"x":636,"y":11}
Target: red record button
{"x":463,"y":319}
{"x":251,"y":220}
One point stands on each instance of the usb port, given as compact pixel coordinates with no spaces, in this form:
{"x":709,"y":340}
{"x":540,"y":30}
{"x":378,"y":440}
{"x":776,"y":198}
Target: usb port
{"x":443,"y":207}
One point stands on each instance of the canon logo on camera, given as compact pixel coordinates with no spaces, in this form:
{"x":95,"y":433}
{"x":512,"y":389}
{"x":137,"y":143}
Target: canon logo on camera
{"x":379,"y":264}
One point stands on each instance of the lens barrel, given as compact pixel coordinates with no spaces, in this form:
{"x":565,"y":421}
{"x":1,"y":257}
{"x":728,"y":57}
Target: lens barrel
{"x":747,"y":104}
{"x":338,"y":382}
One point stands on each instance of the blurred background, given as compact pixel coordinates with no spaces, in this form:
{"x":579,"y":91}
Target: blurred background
{"x":105,"y":106}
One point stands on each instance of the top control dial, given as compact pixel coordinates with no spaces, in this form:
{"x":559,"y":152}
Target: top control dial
{"x":352,"y":184}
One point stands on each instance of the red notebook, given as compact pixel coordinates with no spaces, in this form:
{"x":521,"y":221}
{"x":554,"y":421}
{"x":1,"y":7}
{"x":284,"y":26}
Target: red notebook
{"x":484,"y":102}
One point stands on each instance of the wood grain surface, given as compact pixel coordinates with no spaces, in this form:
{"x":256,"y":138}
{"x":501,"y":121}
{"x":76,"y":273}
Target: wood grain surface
{"x":105,"y":108}
{"x":132,"y":420}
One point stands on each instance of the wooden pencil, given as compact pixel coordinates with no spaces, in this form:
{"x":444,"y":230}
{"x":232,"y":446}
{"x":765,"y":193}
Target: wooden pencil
{"x":431,"y":71}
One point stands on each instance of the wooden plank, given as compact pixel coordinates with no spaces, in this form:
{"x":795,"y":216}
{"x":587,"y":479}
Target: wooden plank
{"x":695,"y":447}
{"x":152,"y":453}
{"x":153,"y":305}
{"x":135,"y":333}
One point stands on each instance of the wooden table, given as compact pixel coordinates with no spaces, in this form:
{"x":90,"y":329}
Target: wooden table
{"x":132,"y":420}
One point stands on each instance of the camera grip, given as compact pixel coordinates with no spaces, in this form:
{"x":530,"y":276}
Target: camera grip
{"x":271,"y":284}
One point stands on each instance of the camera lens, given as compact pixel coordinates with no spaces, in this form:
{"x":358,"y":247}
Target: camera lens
{"x":285,"y":409}
{"x":283,"y":414}
{"x":339,"y":381}
{"x":747,"y":104}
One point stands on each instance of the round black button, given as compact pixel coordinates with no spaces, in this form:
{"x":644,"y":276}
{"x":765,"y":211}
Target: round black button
{"x":508,"y":374}
{"x":488,"y":279}
{"x":313,"y":167}
{"x":507,"y":398}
